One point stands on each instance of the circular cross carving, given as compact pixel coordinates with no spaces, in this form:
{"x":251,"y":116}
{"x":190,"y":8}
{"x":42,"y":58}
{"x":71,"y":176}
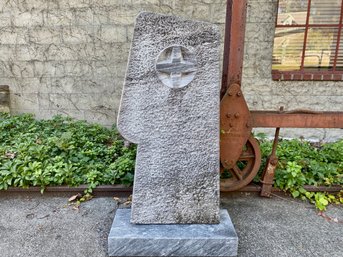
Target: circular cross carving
{"x":176,"y":66}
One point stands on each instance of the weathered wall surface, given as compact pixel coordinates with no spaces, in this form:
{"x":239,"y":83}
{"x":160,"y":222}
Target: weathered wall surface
{"x":69,"y":57}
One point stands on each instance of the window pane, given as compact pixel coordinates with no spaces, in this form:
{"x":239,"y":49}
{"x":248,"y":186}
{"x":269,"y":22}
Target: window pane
{"x":288,"y":46}
{"x":339,"y":64}
{"x":320,"y":48}
{"x":292,"y":12}
{"x":325,"y":12}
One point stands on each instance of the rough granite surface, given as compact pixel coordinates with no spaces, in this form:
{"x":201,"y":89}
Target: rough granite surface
{"x":176,"y":129}
{"x":127,"y":239}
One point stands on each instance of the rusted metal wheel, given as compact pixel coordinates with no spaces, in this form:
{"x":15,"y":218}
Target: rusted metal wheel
{"x":244,"y":171}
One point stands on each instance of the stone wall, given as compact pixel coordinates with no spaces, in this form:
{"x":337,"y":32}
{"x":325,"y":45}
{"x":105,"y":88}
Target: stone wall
{"x":69,"y":57}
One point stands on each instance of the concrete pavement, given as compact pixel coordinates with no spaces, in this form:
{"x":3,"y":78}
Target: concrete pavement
{"x":44,"y":226}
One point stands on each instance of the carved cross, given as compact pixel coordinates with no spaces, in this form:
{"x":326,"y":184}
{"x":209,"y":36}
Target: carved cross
{"x":176,"y":66}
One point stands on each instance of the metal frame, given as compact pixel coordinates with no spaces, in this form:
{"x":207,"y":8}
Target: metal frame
{"x":236,"y":119}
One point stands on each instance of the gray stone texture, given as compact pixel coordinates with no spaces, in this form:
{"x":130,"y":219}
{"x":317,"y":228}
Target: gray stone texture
{"x":54,"y":52}
{"x":177,"y":129}
{"x":126,"y":239}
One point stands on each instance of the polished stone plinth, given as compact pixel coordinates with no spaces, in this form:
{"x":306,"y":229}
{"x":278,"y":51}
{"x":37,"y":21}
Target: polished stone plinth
{"x":126,"y":239}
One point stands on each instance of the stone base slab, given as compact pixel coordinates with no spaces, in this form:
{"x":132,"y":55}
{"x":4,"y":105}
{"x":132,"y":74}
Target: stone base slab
{"x":126,"y":239}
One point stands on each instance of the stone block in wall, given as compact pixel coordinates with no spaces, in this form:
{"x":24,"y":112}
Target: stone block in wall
{"x":27,"y":52}
{"x":113,"y":3}
{"x":7,"y":52}
{"x":5,"y":19}
{"x":198,"y":11}
{"x":147,"y":2}
{"x":26,"y":85}
{"x":29,"y":18}
{"x":80,"y":85}
{"x":74,"y":4}
{"x":109,"y":69}
{"x":25,"y":6}
{"x":257,"y":32}
{"x":80,"y":68}
{"x":100,"y":14}
{"x":94,"y":101}
{"x":257,"y":51}
{"x":44,"y":69}
{"x":327,"y":89}
{"x":256,"y":86}
{"x":44,"y":102}
{"x":111,"y":34}
{"x":308,"y":102}
{"x":261,"y":11}
{"x":62,"y":101}
{"x":218,"y":12}
{"x":14,"y":35}
{"x":67,"y":52}
{"x":260,"y":102}
{"x":123,"y":16}
{"x":107,"y":117}
{"x":288,"y":88}
{"x":81,"y":101}
{"x":258,"y":69}
{"x":45,"y":35}
{"x":53,"y":17}
{"x":24,"y":101}
{"x":78,"y":34}
{"x":13,"y":69}
{"x":172,"y":6}
{"x":112,"y":51}
{"x":83,"y":16}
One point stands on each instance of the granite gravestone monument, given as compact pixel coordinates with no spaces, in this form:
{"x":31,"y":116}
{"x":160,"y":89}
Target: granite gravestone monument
{"x":170,"y":108}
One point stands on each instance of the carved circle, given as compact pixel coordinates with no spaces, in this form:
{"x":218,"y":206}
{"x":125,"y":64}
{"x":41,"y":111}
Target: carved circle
{"x":176,"y":66}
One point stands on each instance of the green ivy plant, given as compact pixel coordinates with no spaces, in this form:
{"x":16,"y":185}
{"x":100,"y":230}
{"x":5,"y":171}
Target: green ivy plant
{"x":302,"y":163}
{"x":61,"y":151}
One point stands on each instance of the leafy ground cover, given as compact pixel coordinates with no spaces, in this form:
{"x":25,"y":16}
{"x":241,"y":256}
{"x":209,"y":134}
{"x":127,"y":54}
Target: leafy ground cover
{"x":304,"y":163}
{"x":63,"y":151}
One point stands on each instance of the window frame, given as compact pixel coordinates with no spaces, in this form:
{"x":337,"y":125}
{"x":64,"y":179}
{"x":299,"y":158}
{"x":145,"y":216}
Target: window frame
{"x":303,"y":74}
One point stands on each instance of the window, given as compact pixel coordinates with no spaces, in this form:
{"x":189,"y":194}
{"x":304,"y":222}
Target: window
{"x":308,"y":41}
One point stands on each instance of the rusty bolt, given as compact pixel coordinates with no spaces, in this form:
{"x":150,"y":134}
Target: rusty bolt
{"x":230,"y":93}
{"x":237,"y":115}
{"x":239,"y":93}
{"x":228,"y":115}
{"x":230,"y":125}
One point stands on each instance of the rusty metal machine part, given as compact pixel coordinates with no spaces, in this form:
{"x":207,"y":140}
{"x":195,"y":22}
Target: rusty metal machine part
{"x":245,"y":168}
{"x":235,"y":130}
{"x":235,"y":125}
{"x":269,"y":171}
{"x":233,"y":43}
{"x":235,"y":139}
{"x":292,"y":119}
{"x":233,"y":118}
